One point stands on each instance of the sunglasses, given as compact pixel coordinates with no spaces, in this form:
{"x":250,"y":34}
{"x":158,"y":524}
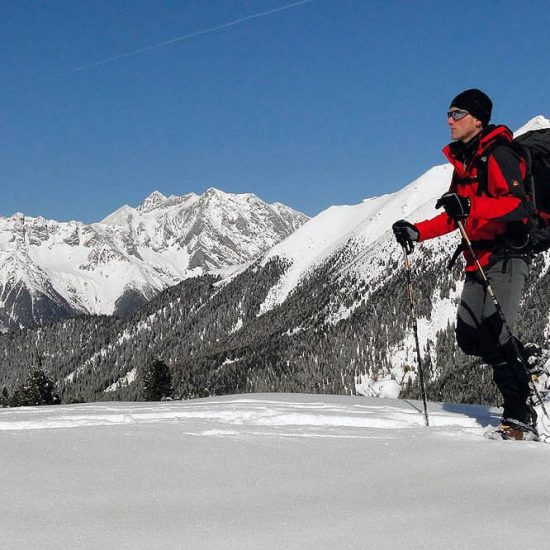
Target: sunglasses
{"x":459,"y":114}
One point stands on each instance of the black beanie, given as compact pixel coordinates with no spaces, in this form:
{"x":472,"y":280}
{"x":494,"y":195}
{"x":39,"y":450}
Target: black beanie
{"x":476,"y":103}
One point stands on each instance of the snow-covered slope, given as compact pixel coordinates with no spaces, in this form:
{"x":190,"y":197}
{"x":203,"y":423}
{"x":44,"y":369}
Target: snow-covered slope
{"x":292,"y":472}
{"x":48,"y":269}
{"x":366,"y":223}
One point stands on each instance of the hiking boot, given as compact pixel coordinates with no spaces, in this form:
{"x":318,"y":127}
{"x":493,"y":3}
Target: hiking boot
{"x":513,"y":430}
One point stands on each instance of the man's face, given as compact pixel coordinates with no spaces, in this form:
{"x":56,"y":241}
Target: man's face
{"x":464,"y":129}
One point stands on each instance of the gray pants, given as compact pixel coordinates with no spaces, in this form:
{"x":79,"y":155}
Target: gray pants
{"x":480,"y":331}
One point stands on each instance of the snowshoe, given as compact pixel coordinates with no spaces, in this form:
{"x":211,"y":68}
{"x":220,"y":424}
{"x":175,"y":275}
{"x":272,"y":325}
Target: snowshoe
{"x":512,"y":430}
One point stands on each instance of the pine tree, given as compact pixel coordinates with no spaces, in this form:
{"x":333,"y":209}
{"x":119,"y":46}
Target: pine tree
{"x":4,"y":397}
{"x":39,"y":389}
{"x":157,"y":381}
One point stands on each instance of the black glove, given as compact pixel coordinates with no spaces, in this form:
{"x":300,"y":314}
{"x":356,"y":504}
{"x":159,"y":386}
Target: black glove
{"x":456,"y":206}
{"x":405,"y":234}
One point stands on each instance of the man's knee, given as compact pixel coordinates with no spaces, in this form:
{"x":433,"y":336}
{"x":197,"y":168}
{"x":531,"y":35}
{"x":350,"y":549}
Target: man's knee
{"x":482,"y":341}
{"x":467,"y":338}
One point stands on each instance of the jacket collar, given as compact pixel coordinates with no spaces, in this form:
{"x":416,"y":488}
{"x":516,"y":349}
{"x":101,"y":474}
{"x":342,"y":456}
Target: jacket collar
{"x":458,"y":153}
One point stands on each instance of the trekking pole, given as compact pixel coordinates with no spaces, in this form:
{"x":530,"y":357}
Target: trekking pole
{"x":406,"y":252}
{"x":498,"y":308}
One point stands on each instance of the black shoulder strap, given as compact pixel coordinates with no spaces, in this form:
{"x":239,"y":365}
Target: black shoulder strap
{"x":483,"y":161}
{"x":483,"y":170}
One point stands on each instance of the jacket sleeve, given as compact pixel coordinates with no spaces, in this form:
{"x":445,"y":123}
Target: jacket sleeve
{"x":439,"y":225}
{"x":505,"y":185}
{"x":435,"y":227}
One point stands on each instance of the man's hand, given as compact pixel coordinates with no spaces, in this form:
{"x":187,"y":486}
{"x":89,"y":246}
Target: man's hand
{"x":405,"y":234}
{"x":456,"y":206}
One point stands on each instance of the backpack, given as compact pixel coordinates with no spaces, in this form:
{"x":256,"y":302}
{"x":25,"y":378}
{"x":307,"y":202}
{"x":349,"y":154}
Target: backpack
{"x":534,"y":147}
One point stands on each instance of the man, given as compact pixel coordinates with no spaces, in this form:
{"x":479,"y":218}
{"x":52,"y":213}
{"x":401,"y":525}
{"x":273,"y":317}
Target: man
{"x":487,"y":195}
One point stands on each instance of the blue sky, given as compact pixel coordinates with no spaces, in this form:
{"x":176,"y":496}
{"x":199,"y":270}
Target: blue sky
{"x":326,"y":102}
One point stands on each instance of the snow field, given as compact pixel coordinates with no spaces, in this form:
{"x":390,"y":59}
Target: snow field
{"x":282,"y":416}
{"x":266,"y":472}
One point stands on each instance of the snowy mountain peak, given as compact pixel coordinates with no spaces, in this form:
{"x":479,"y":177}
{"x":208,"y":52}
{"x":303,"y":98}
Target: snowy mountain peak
{"x":154,"y":200}
{"x":119,"y":216}
{"x":212,"y":191}
{"x":537,"y":123}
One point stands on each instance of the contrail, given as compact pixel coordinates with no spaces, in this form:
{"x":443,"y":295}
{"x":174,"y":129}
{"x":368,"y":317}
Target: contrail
{"x":181,"y":38}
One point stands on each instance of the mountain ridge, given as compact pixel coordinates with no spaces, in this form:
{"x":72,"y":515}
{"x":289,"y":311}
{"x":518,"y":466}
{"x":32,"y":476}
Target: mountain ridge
{"x":115,"y":265}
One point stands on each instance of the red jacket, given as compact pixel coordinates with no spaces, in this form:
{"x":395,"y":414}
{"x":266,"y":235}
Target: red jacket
{"x":498,"y":207}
